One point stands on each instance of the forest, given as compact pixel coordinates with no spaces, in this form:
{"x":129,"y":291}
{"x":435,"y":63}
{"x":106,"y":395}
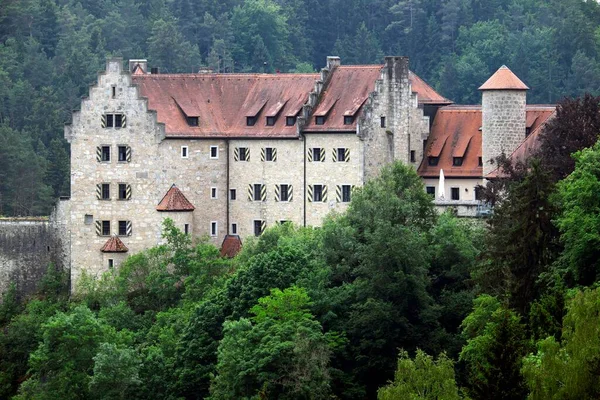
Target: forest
{"x":51,"y":51}
{"x":389,"y":300}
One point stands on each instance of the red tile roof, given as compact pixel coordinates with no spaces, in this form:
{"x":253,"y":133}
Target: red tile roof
{"x":114,"y":245}
{"x":232,"y":244}
{"x":504,"y":79}
{"x":456,"y":133}
{"x":222,"y":102}
{"x":174,"y":200}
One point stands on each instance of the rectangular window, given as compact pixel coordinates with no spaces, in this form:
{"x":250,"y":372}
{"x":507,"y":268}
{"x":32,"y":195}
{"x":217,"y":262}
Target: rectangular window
{"x":214,"y":152}
{"x":118,"y":120}
{"x":455,"y":193}
{"x":184,"y":152}
{"x":457,"y":161}
{"x":290,"y":121}
{"x":430,"y":190}
{"x":317,"y":154}
{"x":192,"y":121}
{"x":341,"y":154}
{"x":256,"y":192}
{"x":478,"y":193}
{"x":110,"y":120}
{"x":413,"y":156}
{"x":213,"y":193}
{"x":269,"y":154}
{"x":320,"y":120}
{"x":346,"y":193}
{"x":123,"y":154}
{"x":232,"y":194}
{"x":213,"y":228}
{"x":105,"y":191}
{"x":122,"y":228}
{"x":105,"y":154}
{"x":111,"y":263}
{"x":284,"y":192}
{"x":481,"y":161}
{"x":186,"y":229}
{"x":382,"y":122}
{"x":105,"y":228}
{"x":258,"y":227}
{"x":244,"y":153}
{"x":348,"y":119}
{"x":114,"y":91}
{"x":250,"y":121}
{"x":234,"y":229}
{"x":270,"y":121}
{"x":123,"y":191}
{"x":88,"y":219}
{"x":317,"y":193}
{"x":433,"y":161}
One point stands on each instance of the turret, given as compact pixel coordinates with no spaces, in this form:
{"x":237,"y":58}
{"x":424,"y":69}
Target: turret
{"x":503,"y":103}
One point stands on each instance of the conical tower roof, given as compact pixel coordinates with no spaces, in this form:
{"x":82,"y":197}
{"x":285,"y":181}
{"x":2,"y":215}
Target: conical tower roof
{"x":114,"y":245}
{"x":504,"y":79}
{"x":174,"y":200}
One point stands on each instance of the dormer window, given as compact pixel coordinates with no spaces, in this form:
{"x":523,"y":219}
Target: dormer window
{"x":290,"y":121}
{"x":192,"y":121}
{"x":320,"y":120}
{"x":481,"y":161}
{"x":250,"y":121}
{"x":348,"y":119}
{"x":433,"y":161}
{"x":270,"y":121}
{"x":527,"y":131}
{"x":457,"y":161}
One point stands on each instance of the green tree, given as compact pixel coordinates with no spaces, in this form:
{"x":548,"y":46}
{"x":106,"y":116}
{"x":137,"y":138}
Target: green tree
{"x":168,"y":50}
{"x":116,"y":372}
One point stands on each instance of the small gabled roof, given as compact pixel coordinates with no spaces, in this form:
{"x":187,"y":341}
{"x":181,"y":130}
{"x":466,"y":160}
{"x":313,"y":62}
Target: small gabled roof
{"x":114,"y":245}
{"x":174,"y":200}
{"x":504,"y":79}
{"x":232,"y":244}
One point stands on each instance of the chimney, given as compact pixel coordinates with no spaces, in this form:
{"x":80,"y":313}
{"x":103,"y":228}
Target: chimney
{"x":140,"y":65}
{"x":332,"y":62}
{"x":504,"y":119}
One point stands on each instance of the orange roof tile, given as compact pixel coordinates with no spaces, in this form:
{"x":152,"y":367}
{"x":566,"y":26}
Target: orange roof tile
{"x":425,"y":93}
{"x":456,"y":133}
{"x":174,"y":200}
{"x":114,"y":245}
{"x":504,"y":79}
{"x":232,"y":244}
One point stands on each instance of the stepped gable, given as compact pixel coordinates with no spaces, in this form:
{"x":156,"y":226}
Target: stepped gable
{"x":456,"y":132}
{"x":504,"y":79}
{"x":174,"y":200}
{"x":114,"y":245}
{"x":232,"y":244}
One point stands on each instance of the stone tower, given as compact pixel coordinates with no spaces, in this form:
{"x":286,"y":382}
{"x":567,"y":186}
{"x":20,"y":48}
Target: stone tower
{"x":503,"y":114}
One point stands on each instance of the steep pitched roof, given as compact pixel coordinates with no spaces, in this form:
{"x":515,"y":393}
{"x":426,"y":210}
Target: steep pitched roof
{"x":174,"y":200}
{"x":456,"y":133}
{"x":504,"y":79}
{"x":232,"y":244}
{"x":114,"y":245}
{"x":425,"y":93}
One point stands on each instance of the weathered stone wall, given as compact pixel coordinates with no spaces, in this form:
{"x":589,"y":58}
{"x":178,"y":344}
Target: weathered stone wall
{"x":504,"y":124}
{"x":27,"y":248}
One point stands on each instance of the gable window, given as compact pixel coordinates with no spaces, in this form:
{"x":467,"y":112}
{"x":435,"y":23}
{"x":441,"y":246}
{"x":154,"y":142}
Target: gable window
{"x":413,"y":157}
{"x":123,"y":154}
{"x":284,"y":192}
{"x":250,"y":121}
{"x":348,"y":119}
{"x":214,"y":152}
{"x":113,"y":120}
{"x":213,"y":228}
{"x":105,"y":154}
{"x":346,"y":193}
{"x":258,"y":227}
{"x":234,"y":229}
{"x":270,"y":121}
{"x":382,"y":122}
{"x":317,"y":193}
{"x":318,"y":154}
{"x":184,"y":152}
{"x":455,"y":193}
{"x":457,"y":161}
{"x":105,"y":228}
{"x":320,"y":120}
{"x":213,"y":193}
{"x":124,"y":191}
{"x":290,"y":121}
{"x":430,"y":190}
{"x":192,"y":121}
{"x":105,"y":191}
{"x":232,"y":194}
{"x":433,"y":161}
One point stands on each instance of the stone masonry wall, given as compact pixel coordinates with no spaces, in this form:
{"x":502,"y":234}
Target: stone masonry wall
{"x":504,"y":124}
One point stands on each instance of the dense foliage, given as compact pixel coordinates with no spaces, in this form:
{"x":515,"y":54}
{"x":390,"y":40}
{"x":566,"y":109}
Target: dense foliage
{"x":51,"y":50}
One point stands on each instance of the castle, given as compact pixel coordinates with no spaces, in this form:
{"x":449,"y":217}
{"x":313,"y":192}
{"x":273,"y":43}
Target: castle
{"x":227,"y":155}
